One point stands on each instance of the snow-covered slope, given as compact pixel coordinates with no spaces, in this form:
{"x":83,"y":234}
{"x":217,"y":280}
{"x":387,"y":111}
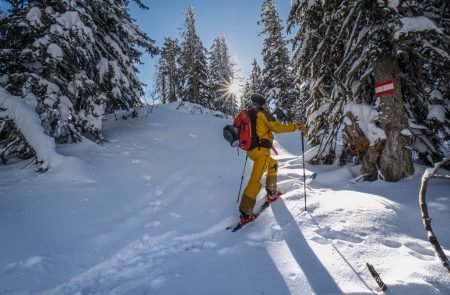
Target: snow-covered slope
{"x":146,"y":213}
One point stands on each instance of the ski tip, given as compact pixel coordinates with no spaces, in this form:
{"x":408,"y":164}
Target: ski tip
{"x":237,"y":227}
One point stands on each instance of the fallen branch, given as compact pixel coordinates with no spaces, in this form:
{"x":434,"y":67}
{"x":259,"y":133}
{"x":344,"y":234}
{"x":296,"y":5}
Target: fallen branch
{"x":426,"y":219}
{"x":377,"y":277}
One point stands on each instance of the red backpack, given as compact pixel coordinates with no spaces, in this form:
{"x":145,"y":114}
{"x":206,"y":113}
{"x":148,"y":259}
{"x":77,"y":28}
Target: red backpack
{"x":243,"y":131}
{"x":245,"y":121}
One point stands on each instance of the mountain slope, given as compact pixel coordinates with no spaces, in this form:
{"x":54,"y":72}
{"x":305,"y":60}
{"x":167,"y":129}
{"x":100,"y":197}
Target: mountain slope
{"x":146,"y":213}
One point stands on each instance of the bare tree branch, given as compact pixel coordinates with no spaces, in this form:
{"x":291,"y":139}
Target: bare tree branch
{"x":426,"y":219}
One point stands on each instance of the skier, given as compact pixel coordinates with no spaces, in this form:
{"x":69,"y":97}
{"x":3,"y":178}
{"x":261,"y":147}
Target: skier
{"x":262,"y":161}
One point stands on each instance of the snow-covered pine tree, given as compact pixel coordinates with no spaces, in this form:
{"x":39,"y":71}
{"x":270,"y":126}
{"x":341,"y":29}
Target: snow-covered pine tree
{"x":53,"y":54}
{"x":256,"y":78}
{"x":278,"y":79}
{"x":221,"y":77}
{"x":254,"y":83}
{"x":193,"y":64}
{"x":343,"y":49}
{"x":168,"y":78}
{"x":45,"y":49}
{"x":117,"y":38}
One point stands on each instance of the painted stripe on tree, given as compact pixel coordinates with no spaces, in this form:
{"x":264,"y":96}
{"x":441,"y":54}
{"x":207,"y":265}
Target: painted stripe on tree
{"x":383,"y":88}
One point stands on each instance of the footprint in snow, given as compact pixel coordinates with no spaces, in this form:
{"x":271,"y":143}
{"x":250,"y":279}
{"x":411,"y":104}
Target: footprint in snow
{"x":392,"y":244}
{"x":419,"y":249}
{"x":337,"y":235}
{"x":321,"y":240}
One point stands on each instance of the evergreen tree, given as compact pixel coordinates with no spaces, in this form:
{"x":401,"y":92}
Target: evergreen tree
{"x":45,"y":62}
{"x":256,"y":78}
{"x":168,"y":79}
{"x":254,"y":84}
{"x":69,"y":64}
{"x":117,"y":38}
{"x":343,"y":49}
{"x":221,"y":75}
{"x":193,"y":65}
{"x":278,"y":79}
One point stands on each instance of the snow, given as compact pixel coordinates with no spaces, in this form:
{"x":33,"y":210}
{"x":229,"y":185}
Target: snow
{"x":393,"y":3}
{"x":406,"y":132}
{"x":436,"y":95}
{"x":146,"y":212}
{"x":416,"y":24}
{"x":34,"y":16}
{"x":55,"y":51}
{"x":323,"y":108}
{"x":436,"y":112}
{"x":29,"y":123}
{"x":70,"y":20}
{"x":103,"y":67}
{"x":366,"y":117}
{"x":310,"y":4}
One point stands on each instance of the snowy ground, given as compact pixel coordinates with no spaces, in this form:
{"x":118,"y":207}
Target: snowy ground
{"x":146,"y":213}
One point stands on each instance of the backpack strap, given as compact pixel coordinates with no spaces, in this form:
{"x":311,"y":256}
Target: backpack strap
{"x":256,"y":141}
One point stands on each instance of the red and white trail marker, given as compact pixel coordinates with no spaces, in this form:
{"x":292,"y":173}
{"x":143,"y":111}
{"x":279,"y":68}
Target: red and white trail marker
{"x":384,"y":88}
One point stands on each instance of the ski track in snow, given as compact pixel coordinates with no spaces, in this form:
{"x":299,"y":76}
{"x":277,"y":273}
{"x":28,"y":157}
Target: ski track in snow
{"x":143,"y":265}
{"x":319,"y":251}
{"x":146,"y":264}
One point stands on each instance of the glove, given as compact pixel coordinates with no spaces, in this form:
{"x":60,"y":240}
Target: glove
{"x":302,"y":128}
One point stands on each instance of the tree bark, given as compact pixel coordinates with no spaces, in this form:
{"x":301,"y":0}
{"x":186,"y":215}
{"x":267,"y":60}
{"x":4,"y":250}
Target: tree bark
{"x":360,"y":146}
{"x":395,"y":161}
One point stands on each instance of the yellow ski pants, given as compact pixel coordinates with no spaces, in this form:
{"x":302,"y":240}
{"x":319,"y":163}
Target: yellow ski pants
{"x":262,"y":162}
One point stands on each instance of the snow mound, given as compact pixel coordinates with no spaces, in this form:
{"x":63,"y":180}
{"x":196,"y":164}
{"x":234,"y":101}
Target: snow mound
{"x":29,"y":124}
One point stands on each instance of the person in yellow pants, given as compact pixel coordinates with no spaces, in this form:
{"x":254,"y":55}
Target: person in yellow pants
{"x":262,"y":161}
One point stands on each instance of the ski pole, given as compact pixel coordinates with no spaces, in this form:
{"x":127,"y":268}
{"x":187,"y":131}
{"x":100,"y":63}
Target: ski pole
{"x":242,"y":179}
{"x":304,"y":174}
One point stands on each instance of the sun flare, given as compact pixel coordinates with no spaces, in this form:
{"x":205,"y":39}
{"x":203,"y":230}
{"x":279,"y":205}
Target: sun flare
{"x":234,"y":88}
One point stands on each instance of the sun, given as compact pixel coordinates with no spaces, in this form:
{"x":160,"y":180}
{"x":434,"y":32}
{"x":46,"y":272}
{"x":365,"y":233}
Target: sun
{"x":234,"y":88}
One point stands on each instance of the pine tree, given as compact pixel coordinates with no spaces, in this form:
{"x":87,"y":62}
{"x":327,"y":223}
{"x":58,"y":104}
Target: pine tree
{"x":117,"y":38}
{"x":44,"y":63}
{"x":168,"y":79}
{"x":221,"y":77}
{"x":254,"y":84}
{"x":343,"y":49}
{"x":278,"y":79}
{"x":193,"y":65}
{"x":256,"y":78}
{"x":62,"y":58}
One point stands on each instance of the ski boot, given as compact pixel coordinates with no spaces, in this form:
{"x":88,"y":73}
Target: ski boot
{"x":272,"y":196}
{"x":245,"y":218}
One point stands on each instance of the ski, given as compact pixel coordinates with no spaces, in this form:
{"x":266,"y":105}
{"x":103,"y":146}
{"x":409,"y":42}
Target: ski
{"x":311,"y":177}
{"x":235,"y":228}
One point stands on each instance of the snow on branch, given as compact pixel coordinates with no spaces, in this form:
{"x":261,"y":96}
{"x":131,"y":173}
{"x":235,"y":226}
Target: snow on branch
{"x":28,"y":123}
{"x":416,"y":24}
{"x":426,"y":219}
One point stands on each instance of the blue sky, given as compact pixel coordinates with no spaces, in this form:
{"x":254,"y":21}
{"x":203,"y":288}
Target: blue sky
{"x":237,"y":19}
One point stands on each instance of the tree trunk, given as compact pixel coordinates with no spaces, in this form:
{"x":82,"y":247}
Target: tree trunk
{"x":360,"y":146}
{"x":395,"y":160}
